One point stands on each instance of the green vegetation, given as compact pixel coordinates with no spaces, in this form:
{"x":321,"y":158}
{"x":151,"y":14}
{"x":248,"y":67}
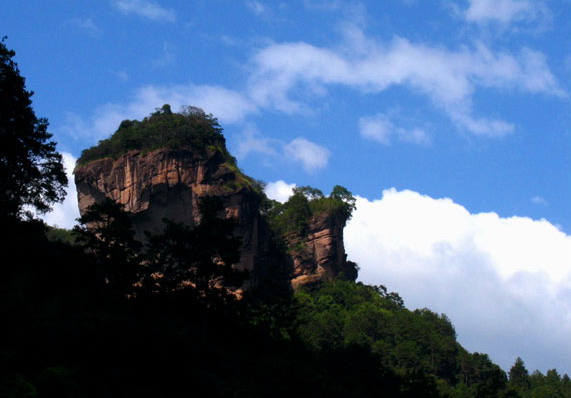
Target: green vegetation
{"x":306,"y":203}
{"x":538,"y":385}
{"x":418,"y":346}
{"x":75,"y":324}
{"x":110,"y":318}
{"x":55,"y":234}
{"x":190,"y":129}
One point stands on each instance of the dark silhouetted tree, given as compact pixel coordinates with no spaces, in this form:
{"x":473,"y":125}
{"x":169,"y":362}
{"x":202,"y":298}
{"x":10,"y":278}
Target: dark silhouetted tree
{"x":519,"y":376}
{"x":31,"y":171}
{"x":198,"y":259}
{"x":107,"y":233}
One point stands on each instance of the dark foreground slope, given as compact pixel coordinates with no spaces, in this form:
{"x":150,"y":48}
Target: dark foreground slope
{"x":67,"y":332}
{"x":95,"y":313}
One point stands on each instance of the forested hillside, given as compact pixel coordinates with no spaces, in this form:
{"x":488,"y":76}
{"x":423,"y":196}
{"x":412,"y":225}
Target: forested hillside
{"x":95,"y":313}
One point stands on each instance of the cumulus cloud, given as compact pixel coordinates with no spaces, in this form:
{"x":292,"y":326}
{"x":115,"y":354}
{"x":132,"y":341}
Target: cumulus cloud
{"x":63,"y":214}
{"x":145,"y":9}
{"x":311,"y":155}
{"x":381,"y":129}
{"x":279,"y":190}
{"x":504,"y":282}
{"x":252,"y":141}
{"x":448,"y":78}
{"x":503,"y":11}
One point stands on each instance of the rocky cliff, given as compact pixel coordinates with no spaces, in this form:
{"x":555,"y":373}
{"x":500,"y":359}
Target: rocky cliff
{"x":168,"y":183}
{"x":319,"y":255}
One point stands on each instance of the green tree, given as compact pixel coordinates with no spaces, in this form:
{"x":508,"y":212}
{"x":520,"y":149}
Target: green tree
{"x":566,"y":385}
{"x":309,"y":192}
{"x":519,"y":375}
{"x":31,"y":170}
{"x":344,"y":195}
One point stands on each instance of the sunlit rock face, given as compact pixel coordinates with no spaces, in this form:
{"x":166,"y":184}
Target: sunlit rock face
{"x":320,"y":255}
{"x":168,"y":183}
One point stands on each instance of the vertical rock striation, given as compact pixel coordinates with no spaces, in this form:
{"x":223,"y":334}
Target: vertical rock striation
{"x":167,"y":183}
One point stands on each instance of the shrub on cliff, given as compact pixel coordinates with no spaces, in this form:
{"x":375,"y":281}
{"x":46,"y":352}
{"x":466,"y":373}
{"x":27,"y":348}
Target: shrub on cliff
{"x":190,"y":129}
{"x":305,"y":203}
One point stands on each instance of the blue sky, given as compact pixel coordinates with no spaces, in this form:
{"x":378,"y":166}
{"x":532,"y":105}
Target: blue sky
{"x":459,"y":108}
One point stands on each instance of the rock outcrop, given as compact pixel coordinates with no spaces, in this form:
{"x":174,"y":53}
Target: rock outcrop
{"x":320,"y":255}
{"x":168,"y":183}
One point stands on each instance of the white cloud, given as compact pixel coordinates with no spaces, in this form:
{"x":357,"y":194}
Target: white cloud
{"x":377,"y":128}
{"x":323,"y":5}
{"x":63,"y":214}
{"x":311,"y":155}
{"x":539,"y":200}
{"x":354,"y":12}
{"x":167,"y":57}
{"x":146,"y":9}
{"x":448,"y":78}
{"x":380,"y":128}
{"x":415,"y":136}
{"x":256,"y":7}
{"x":503,"y":11}
{"x":88,"y":25}
{"x":227,"y":105}
{"x":251,"y":141}
{"x":279,"y":190}
{"x":504,"y":282}
{"x":483,"y":126}
{"x":121,"y":75}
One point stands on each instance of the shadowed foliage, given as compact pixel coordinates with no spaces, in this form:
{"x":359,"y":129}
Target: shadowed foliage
{"x":31,"y":170}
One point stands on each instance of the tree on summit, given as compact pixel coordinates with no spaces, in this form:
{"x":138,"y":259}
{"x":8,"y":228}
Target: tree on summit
{"x":31,"y":171}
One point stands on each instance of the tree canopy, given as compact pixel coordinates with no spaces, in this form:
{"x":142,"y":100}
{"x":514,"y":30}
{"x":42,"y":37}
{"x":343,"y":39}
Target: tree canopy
{"x":31,"y":170}
{"x":305,"y":203}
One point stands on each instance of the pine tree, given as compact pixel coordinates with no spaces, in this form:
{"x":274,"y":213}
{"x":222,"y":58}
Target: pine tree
{"x":519,"y":376}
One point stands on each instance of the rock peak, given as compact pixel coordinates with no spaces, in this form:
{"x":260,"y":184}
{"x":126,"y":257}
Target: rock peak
{"x":157,"y":179}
